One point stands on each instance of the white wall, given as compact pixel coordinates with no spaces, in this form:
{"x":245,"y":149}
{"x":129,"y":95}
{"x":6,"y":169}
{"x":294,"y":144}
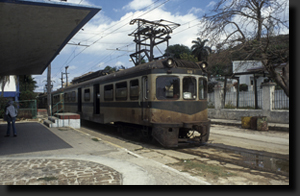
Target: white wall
{"x":244,"y":66}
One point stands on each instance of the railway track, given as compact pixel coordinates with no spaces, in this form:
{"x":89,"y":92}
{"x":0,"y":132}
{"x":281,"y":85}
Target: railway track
{"x":247,"y":158}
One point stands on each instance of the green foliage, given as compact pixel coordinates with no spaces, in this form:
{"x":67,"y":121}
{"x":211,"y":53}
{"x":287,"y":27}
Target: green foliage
{"x":3,"y":103}
{"x":27,"y":83}
{"x":211,"y":86}
{"x":176,"y":50}
{"x":188,"y":57}
{"x":110,"y":69}
{"x":243,"y":87}
{"x":27,"y":95}
{"x":199,"y":50}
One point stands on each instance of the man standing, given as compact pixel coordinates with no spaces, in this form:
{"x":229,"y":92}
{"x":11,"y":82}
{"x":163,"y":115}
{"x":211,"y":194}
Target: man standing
{"x":11,"y":113}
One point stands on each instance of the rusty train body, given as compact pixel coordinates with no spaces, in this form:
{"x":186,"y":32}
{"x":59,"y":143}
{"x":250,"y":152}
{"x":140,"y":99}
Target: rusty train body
{"x":163,"y":99}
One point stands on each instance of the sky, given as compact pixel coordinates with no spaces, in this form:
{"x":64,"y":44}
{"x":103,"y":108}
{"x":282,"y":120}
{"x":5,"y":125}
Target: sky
{"x":108,"y":30}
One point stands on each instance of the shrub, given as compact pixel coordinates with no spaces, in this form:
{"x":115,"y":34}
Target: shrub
{"x":243,"y":87}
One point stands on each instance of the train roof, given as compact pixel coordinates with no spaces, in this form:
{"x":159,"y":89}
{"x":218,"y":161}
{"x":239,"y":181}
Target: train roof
{"x":139,"y":70}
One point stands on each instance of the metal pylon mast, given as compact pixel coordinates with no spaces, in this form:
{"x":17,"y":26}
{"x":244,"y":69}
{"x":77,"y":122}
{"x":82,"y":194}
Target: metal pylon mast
{"x":150,"y":34}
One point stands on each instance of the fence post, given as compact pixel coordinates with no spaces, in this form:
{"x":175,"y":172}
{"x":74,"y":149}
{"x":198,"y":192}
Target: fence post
{"x":219,"y":97}
{"x":267,"y":96}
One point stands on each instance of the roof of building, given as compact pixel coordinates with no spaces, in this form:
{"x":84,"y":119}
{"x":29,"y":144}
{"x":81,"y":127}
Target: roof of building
{"x":34,"y":32}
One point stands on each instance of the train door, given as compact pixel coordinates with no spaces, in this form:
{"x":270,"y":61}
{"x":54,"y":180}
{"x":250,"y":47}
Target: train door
{"x":96,"y":99}
{"x":145,"y":97}
{"x":79,"y":102}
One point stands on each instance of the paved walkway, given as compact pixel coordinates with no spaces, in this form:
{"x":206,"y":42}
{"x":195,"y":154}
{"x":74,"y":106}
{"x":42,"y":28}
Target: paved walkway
{"x":56,"y":172}
{"x":79,"y":160}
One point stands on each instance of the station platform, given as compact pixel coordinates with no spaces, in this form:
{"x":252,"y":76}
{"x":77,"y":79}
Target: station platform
{"x":66,"y":156}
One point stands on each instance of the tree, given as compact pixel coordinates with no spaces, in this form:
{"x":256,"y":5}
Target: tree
{"x":199,"y":49}
{"x":27,"y":86}
{"x":188,"y":57}
{"x":176,"y":50}
{"x":5,"y":80}
{"x":251,"y":26}
{"x":110,"y":69}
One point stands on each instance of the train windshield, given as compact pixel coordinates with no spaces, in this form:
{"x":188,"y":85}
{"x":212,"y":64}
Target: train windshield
{"x":189,"y":87}
{"x":167,"y":87}
{"x":202,"y":88}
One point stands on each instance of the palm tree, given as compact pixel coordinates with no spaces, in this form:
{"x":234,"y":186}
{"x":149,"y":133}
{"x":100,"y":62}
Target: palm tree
{"x":5,"y":80}
{"x":199,"y":50}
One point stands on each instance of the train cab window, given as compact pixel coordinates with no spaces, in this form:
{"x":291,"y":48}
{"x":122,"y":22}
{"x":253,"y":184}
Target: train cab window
{"x":167,"y":87}
{"x":134,"y":89}
{"x":189,"y":87}
{"x":109,"y":92}
{"x":121,"y":91}
{"x":202,"y":88}
{"x":87,"y":96}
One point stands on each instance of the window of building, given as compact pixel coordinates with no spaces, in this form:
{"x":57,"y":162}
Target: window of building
{"x":202,"y":88}
{"x":109,"y":92}
{"x":87,"y":96}
{"x":167,"y":87}
{"x":189,"y":87}
{"x":134,"y":89}
{"x":121,"y":91}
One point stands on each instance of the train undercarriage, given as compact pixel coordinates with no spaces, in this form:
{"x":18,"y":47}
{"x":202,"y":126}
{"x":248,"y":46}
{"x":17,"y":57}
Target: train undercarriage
{"x":168,"y":135}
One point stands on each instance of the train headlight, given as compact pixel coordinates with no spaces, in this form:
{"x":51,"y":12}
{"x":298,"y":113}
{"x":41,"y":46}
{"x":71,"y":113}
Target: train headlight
{"x":203,"y":65}
{"x":170,"y":62}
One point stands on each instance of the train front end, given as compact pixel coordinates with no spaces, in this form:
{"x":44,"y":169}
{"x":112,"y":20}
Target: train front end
{"x":179,"y":108}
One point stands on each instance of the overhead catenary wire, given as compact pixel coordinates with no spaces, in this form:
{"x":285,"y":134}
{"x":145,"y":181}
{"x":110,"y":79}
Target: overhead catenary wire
{"x":115,"y":31}
{"x":69,"y":61}
{"x":74,"y":55}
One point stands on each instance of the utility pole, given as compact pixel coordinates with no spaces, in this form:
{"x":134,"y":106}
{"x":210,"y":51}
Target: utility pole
{"x":62,"y":79}
{"x":49,"y":90}
{"x":66,"y":76}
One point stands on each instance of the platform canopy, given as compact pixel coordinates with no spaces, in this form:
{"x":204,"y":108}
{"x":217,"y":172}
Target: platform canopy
{"x":33,"y":32}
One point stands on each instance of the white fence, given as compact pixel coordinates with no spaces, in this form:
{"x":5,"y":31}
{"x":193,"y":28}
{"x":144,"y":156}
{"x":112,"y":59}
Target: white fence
{"x":280,"y":100}
{"x":247,"y":99}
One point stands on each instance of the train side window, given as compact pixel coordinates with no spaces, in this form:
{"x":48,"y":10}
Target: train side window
{"x":65,"y":97}
{"x":189,"y":87}
{"x":134,"y":89}
{"x":167,"y":87}
{"x":121,"y":91}
{"x":109,"y":92}
{"x":70,"y":96}
{"x":202,"y":88}
{"x":73,"y":96}
{"x":87,"y":96}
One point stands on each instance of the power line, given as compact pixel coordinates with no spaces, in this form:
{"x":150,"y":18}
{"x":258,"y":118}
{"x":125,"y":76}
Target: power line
{"x":117,"y":29}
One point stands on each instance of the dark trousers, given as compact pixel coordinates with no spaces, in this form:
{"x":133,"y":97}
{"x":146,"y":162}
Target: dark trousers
{"x":13,"y":120}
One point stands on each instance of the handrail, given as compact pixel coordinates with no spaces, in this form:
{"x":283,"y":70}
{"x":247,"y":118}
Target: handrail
{"x":56,"y":106}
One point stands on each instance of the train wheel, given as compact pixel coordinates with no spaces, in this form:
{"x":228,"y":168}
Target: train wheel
{"x":145,"y":134}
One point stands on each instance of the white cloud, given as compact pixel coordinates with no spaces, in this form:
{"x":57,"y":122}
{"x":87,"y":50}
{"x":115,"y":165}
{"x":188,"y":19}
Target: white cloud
{"x":211,"y":4}
{"x":138,"y":4}
{"x":102,"y":33}
{"x":195,"y":10}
